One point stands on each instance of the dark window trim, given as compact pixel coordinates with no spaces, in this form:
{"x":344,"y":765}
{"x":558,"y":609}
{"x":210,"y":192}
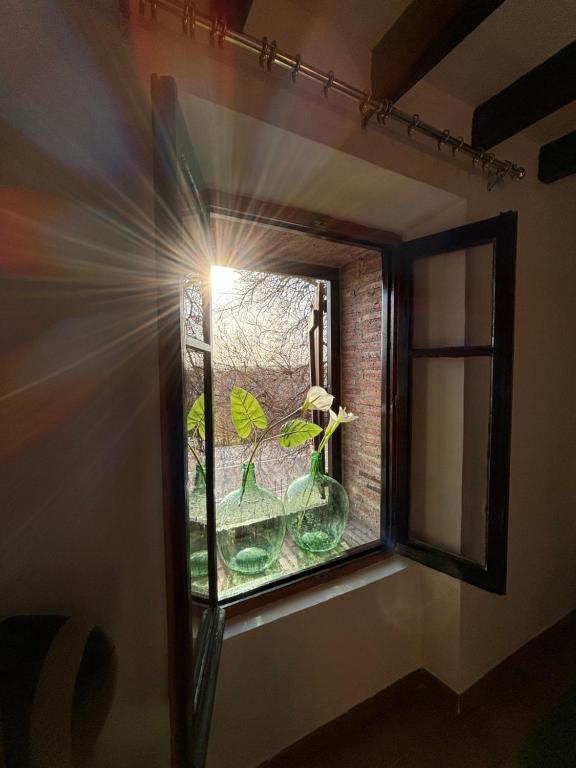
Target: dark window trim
{"x":171,"y":382}
{"x":388,"y":378}
{"x":500,"y":231}
{"x":210,"y":637}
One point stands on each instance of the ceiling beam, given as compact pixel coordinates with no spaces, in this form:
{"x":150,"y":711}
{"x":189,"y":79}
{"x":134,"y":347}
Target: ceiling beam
{"x":234,"y":11}
{"x":557,"y":159}
{"x":546,"y":88}
{"x":420,"y":38}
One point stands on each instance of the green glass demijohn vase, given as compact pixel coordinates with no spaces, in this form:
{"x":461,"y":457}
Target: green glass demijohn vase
{"x":250,"y":526}
{"x":316,"y":509}
{"x":197,"y":525}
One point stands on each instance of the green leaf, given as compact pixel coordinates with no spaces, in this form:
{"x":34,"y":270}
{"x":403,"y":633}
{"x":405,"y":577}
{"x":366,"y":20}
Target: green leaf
{"x":297,"y":432}
{"x":246,"y":412}
{"x":196,"y":417}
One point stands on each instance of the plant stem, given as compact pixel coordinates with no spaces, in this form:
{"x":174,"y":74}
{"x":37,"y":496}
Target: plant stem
{"x":259,"y":442}
{"x":196,"y":457}
{"x":307,"y":502}
{"x":326,"y":437}
{"x":264,"y":436}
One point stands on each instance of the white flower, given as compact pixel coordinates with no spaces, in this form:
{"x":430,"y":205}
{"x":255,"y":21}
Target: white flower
{"x":343,"y":417}
{"x":336,"y":420}
{"x":318,"y":399}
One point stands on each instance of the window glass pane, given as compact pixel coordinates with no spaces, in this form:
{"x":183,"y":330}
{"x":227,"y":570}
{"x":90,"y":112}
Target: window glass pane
{"x":452,"y":298}
{"x":193,"y":308}
{"x":449,"y":453}
{"x":265,"y":336}
{"x":196,"y":491}
{"x":261,"y":344}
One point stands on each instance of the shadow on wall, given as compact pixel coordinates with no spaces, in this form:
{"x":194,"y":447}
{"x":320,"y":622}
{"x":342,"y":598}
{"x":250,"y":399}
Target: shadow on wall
{"x":57,"y":684}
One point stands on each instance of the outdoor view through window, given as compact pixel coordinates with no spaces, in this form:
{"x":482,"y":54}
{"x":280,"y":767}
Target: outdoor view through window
{"x":269,"y":348}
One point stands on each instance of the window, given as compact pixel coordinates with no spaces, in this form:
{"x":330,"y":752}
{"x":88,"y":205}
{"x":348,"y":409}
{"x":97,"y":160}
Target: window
{"x":277,"y":331}
{"x":415,"y":336}
{"x":421,"y":329}
{"x":453,"y":390}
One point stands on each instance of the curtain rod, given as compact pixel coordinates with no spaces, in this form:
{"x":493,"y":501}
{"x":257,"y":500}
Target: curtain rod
{"x":269,"y":54}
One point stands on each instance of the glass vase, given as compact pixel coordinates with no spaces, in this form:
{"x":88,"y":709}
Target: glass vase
{"x":316,"y":509}
{"x":250,"y":526}
{"x":197,"y":525}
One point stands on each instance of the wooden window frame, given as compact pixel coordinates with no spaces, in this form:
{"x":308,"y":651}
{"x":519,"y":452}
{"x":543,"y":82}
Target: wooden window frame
{"x":343,"y":232}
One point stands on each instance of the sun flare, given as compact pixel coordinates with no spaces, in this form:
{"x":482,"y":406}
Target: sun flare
{"x":223,"y":280}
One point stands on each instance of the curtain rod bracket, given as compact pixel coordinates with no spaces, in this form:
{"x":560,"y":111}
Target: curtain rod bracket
{"x":298,"y":60}
{"x":366,"y":109}
{"x":414,"y":124}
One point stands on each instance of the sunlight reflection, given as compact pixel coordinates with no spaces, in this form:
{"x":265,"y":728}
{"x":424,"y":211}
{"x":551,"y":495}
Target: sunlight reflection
{"x":223,"y":280}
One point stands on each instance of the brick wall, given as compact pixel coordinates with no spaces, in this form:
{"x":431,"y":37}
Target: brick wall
{"x":361,"y":308}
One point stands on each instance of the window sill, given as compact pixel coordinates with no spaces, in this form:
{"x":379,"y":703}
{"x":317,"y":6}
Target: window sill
{"x":307,"y":598}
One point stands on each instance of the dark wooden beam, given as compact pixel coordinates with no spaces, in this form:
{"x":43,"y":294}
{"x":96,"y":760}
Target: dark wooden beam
{"x":421,"y":37}
{"x":557,"y":159}
{"x":234,"y":11}
{"x":538,"y":93}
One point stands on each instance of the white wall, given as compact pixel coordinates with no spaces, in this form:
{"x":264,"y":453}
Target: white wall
{"x":282,"y":680}
{"x":81,"y":528}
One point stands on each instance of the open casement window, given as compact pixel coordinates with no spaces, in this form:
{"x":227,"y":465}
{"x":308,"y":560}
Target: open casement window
{"x":183,"y":248}
{"x":450,"y":435}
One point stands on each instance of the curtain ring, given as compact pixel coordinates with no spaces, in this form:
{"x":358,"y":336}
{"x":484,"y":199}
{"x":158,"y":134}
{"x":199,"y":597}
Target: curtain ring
{"x":414,"y":124}
{"x":443,"y":139}
{"x":517,"y":172}
{"x":214,"y":30}
{"x":185,"y":17}
{"x":384,"y":111}
{"x":296,"y":68}
{"x":188,"y":18}
{"x":263,"y":52}
{"x":487,"y":160}
{"x":366,"y":111}
{"x":329,"y":83}
{"x":479,"y":157}
{"x":222,"y":30}
{"x":192,"y":20}
{"x":458,"y":147}
{"x":271,"y":55}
